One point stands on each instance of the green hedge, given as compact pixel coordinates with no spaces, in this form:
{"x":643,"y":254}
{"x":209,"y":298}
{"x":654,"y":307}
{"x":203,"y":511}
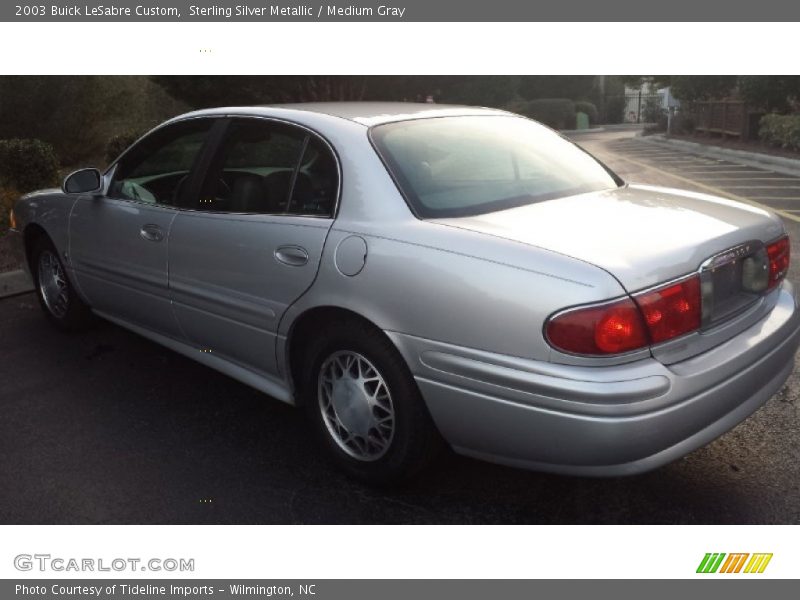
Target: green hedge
{"x":590,"y":109}
{"x":781,"y":130}
{"x":558,"y":113}
{"x":27,"y":165}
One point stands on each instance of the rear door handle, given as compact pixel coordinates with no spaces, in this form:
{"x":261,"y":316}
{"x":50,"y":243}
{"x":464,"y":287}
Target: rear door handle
{"x":151,"y":233}
{"x":294,"y":256}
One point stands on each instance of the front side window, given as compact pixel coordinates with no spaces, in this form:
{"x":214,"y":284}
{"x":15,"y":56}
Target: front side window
{"x":461,"y":166}
{"x":157,"y":169}
{"x":264,"y":167}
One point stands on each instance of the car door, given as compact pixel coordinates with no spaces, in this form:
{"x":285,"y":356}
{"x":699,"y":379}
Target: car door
{"x":119,"y":242}
{"x":253,"y":242}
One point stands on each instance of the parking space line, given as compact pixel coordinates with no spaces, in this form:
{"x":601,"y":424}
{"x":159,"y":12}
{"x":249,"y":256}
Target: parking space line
{"x":649,"y":149}
{"x":685,"y":158}
{"x":745,"y":172}
{"x":697,"y":161}
{"x":752,"y":179}
{"x":658,"y":154}
{"x":687,"y":164}
{"x":763,"y":187}
{"x":715,"y":190}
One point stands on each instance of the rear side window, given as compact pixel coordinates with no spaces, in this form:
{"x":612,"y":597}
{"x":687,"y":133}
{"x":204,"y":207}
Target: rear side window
{"x":461,"y":166}
{"x":317,"y":181}
{"x":263,"y":167}
{"x":156,"y":170}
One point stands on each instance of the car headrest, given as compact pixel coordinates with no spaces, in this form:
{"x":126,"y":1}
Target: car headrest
{"x":277,"y":185}
{"x":248,"y":194}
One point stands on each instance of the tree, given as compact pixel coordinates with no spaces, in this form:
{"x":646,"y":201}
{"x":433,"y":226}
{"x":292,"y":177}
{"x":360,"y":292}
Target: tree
{"x":771,"y":93}
{"x":688,"y":88}
{"x":574,"y":87}
{"x":202,"y":92}
{"x":77,"y":114}
{"x":653,"y":81}
{"x":232,"y":90}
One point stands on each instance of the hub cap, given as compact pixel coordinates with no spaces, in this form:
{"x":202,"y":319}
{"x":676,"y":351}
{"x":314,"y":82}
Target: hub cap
{"x":53,"y":284}
{"x":356,"y":405}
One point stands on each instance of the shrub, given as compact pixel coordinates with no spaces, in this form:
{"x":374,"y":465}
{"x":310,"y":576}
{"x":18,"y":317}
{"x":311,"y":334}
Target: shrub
{"x":27,"y":165}
{"x":8,"y":196}
{"x":121,"y":142}
{"x":659,"y":126}
{"x":683,"y":123}
{"x":614,"y":111}
{"x":653,"y":112}
{"x":558,"y":113}
{"x":590,"y":109}
{"x":781,"y":130}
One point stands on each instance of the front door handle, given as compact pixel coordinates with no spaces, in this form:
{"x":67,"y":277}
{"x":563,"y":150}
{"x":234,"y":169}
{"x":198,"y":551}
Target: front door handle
{"x":151,"y":233}
{"x":294,"y":256}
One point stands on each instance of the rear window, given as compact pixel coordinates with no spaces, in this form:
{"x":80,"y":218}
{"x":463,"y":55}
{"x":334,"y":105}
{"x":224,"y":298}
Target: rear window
{"x":461,"y":166}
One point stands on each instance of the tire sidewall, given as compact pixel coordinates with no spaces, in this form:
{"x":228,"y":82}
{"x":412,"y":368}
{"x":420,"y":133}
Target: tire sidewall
{"x":77,"y":312}
{"x":406,"y":400}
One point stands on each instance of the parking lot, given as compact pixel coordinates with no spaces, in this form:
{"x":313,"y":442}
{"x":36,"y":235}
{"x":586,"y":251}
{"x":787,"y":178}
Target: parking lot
{"x":680,"y":167}
{"x":106,"y":427}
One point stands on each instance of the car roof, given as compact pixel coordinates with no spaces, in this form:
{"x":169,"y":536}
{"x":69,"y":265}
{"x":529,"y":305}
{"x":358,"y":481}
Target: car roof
{"x":365,"y":113}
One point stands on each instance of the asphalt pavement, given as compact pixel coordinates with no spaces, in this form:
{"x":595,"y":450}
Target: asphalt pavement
{"x":107,"y":427}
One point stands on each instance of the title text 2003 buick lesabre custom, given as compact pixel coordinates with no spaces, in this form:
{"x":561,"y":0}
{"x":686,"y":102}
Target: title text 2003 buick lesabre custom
{"x":410,"y":274}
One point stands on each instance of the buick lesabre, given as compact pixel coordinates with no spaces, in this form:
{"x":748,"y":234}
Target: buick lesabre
{"x":414,"y":275}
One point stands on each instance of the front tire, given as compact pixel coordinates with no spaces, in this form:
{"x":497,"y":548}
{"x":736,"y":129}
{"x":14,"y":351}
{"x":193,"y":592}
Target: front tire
{"x":365,"y":406}
{"x":57,"y":297}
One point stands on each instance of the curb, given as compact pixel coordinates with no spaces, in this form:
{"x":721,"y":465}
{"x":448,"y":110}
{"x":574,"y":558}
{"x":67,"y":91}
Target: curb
{"x":16,"y":282}
{"x":779,"y":164}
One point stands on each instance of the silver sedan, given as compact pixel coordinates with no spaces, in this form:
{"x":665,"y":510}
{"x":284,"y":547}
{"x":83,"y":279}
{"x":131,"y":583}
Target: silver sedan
{"x":417,"y":276}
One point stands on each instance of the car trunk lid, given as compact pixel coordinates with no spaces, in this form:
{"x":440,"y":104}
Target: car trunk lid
{"x":642,"y":235}
{"x":646,"y":236}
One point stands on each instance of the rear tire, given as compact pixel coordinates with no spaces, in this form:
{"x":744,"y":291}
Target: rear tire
{"x":365,"y":406}
{"x":56,"y":294}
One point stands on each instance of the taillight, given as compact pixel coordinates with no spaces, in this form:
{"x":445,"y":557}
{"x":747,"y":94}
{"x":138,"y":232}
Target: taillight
{"x":778,"y":253}
{"x":629,"y":324}
{"x":608,"y":329}
{"x":671,"y":310}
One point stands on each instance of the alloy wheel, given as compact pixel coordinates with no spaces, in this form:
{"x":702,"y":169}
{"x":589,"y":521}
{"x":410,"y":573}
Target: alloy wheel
{"x":356,"y":405}
{"x":53,"y":284}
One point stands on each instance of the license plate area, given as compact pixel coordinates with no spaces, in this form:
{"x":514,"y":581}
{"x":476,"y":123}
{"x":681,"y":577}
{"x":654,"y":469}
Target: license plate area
{"x":732,"y":281}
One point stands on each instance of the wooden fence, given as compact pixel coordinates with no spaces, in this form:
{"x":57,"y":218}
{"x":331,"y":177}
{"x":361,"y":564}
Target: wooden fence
{"x":723,"y":117}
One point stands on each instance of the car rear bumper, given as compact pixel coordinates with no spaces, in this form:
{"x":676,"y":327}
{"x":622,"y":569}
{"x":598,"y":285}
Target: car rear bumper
{"x":602,"y":421}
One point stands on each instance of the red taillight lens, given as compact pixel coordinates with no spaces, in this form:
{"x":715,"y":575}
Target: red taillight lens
{"x":608,"y":329}
{"x":649,"y":318}
{"x":778,"y":253}
{"x":672,"y":310}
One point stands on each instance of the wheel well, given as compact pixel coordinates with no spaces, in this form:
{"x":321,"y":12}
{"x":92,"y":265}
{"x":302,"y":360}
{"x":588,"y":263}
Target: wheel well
{"x":304,"y":329}
{"x":33,"y":233}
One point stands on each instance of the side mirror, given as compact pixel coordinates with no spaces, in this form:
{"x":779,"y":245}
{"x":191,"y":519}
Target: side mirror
{"x":84,"y":181}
